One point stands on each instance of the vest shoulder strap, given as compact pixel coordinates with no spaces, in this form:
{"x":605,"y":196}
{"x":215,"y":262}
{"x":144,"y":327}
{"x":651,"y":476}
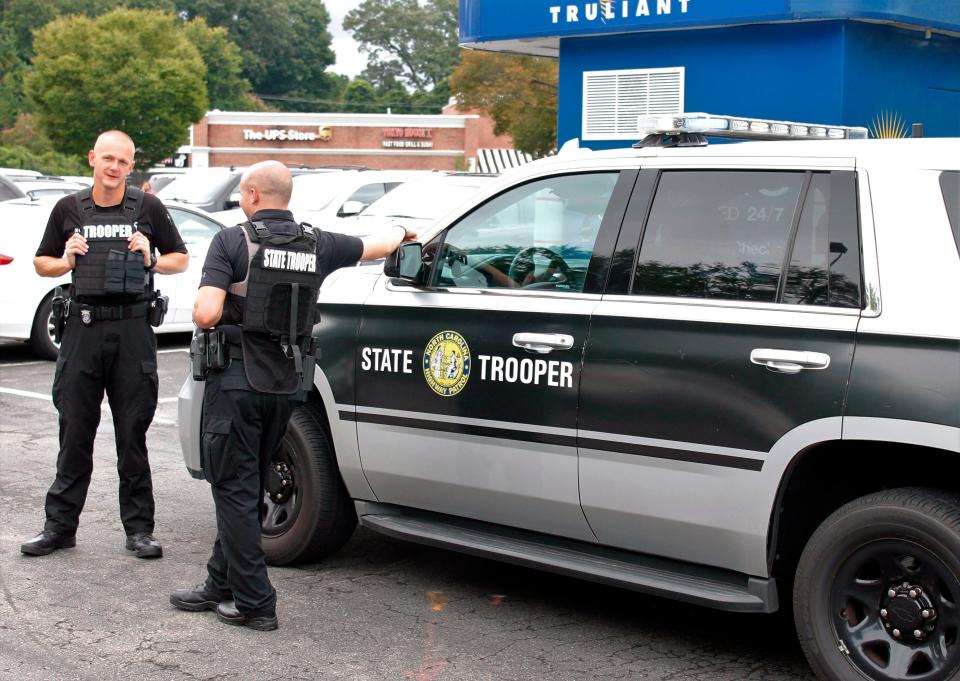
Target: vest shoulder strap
{"x":132,"y":203}
{"x":84,"y":201}
{"x":239,"y":288}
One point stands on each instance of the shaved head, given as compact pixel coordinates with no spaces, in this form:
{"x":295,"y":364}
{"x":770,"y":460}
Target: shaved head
{"x":115,"y":137}
{"x":272,"y":180}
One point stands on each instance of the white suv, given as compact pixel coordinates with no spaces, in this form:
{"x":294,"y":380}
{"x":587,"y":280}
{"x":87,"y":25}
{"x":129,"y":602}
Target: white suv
{"x":726,"y":374}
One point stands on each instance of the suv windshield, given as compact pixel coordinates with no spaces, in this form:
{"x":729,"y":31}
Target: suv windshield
{"x":426,"y":200}
{"x":200,"y":185}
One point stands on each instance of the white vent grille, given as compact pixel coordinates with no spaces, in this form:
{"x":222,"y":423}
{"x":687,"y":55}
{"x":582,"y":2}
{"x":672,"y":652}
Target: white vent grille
{"x":612,"y":100}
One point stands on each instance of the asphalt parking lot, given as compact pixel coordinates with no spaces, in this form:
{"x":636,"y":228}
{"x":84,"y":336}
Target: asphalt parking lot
{"x":380,"y":609}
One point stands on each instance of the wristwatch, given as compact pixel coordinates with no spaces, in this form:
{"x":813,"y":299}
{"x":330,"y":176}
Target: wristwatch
{"x":153,"y":262}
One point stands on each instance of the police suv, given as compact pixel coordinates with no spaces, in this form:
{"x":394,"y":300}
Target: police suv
{"x":725,"y":374}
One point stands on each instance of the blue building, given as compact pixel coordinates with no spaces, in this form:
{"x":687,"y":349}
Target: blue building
{"x":842,"y":62}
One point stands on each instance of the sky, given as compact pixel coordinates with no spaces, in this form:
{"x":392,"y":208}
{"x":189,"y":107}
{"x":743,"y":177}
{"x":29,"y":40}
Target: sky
{"x":350,"y":62}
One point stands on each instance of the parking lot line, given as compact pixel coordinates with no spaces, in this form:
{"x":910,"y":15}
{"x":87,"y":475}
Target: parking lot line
{"x":39,"y":396}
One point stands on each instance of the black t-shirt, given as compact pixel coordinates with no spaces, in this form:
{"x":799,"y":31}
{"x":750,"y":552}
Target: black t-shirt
{"x":154,"y":221}
{"x":227,"y":257}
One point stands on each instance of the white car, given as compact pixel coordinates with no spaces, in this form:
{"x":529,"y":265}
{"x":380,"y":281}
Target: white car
{"x":416,"y":204}
{"x":25,"y":297}
{"x":327,"y":200}
{"x":42,"y":187}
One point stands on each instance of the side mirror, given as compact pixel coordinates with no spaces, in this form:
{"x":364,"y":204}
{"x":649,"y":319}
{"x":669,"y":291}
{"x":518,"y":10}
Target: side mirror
{"x":405,"y":263}
{"x":351,"y":208}
{"x":233,"y":201}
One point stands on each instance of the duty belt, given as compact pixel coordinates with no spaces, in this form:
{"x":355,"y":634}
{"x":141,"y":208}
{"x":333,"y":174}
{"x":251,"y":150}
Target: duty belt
{"x":91,"y":313}
{"x":235,"y":351}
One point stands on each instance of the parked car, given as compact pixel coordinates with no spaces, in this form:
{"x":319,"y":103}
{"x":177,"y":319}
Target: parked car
{"x":416,"y":204}
{"x":724,"y":374}
{"x":326,"y":200}
{"x":9,"y":189}
{"x":25,"y":311}
{"x":12,"y":173}
{"x":210,"y":189}
{"x":43,"y":187}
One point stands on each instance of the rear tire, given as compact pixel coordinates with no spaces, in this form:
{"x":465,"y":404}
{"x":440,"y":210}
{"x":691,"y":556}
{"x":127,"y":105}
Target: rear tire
{"x":877,"y":590}
{"x":312,"y":515}
{"x":41,"y":334}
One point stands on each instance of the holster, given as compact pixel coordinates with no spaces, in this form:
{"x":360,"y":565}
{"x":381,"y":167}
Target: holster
{"x":158,"y":309}
{"x":310,"y":353}
{"x":61,"y":309}
{"x":208,"y":350}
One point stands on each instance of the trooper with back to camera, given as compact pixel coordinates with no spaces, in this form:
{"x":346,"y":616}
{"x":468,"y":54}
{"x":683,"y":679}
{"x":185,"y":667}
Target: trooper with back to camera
{"x":255,"y":310}
{"x":105,"y":236}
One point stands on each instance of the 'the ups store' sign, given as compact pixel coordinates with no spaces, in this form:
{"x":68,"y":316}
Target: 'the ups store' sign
{"x":324,"y":133}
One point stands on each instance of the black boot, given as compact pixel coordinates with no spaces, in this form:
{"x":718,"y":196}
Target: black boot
{"x":47,"y":542}
{"x":227,"y":612}
{"x":144,"y":545}
{"x":196,"y":599}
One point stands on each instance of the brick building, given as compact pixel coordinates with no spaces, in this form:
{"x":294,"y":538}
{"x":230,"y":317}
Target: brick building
{"x":449,"y":141}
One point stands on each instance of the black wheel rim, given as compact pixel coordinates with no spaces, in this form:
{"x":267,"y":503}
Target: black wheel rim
{"x":896,"y":612}
{"x":281,"y":502}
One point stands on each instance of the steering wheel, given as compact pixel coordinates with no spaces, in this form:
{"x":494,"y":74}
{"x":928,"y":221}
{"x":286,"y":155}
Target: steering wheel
{"x":522,"y":266}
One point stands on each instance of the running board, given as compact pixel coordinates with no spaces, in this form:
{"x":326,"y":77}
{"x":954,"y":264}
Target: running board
{"x":711,"y":587}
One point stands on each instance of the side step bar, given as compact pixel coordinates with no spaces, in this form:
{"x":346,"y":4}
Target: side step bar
{"x":711,"y":587}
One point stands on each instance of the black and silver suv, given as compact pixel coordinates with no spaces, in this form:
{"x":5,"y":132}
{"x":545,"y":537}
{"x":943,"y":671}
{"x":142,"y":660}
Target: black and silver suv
{"x":726,"y":374}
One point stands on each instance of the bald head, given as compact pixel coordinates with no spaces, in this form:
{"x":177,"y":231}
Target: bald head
{"x":112,"y":138}
{"x":271,"y":180}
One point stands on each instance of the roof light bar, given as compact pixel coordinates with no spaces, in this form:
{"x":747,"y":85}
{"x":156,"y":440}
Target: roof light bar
{"x":737,"y":127}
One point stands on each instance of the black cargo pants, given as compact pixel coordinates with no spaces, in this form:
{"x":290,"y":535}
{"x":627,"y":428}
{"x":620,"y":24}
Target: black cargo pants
{"x":119,"y":356}
{"x":242,"y":429}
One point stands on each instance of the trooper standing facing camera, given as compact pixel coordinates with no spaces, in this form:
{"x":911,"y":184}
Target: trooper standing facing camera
{"x":255,"y":307}
{"x":106,"y":236}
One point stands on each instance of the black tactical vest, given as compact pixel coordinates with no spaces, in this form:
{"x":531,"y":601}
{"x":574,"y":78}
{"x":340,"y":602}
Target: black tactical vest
{"x":275,"y":303}
{"x":109,"y":269}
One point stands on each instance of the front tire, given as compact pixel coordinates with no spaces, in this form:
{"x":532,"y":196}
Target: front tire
{"x":877,"y":590}
{"x":41,"y":333}
{"x":307,"y":511}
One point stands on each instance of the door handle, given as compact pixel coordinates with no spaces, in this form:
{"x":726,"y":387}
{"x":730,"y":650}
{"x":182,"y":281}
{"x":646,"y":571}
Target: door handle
{"x":789,"y":361}
{"x":542,"y":343}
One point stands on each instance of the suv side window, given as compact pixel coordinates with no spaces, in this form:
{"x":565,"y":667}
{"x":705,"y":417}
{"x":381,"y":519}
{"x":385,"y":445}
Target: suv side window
{"x":825,"y":261}
{"x":538,"y":235}
{"x":950,"y":186}
{"x":718,"y":234}
{"x":726,"y":234}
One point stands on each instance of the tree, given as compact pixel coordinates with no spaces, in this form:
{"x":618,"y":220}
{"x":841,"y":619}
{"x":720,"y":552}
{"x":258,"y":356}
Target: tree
{"x":227,"y":89}
{"x":285,"y":46}
{"x":520,"y":93}
{"x":11,"y":78}
{"x":406,"y":40}
{"x":23,"y":17}
{"x":128,"y":69}
{"x":48,"y":162}
{"x":360,"y":97}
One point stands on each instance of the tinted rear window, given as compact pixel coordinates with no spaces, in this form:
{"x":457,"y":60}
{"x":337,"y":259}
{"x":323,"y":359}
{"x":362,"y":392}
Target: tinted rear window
{"x":950,"y":185}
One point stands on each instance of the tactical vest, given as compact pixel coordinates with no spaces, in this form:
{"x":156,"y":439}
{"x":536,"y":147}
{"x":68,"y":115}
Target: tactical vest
{"x":275,"y":305}
{"x":109,"y":268}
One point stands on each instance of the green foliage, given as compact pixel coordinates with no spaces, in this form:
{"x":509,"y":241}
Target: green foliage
{"x":519,"y":92}
{"x":26,"y":133}
{"x":128,"y":69}
{"x":285,"y":46}
{"x":406,"y":41}
{"x":11,"y":78}
{"x":360,"y":97}
{"x":23,"y":17}
{"x":47,"y":162}
{"x":227,"y":89}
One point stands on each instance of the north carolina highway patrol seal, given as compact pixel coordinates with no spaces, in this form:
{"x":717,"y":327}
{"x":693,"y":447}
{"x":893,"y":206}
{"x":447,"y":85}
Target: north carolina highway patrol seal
{"x":446,"y":363}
